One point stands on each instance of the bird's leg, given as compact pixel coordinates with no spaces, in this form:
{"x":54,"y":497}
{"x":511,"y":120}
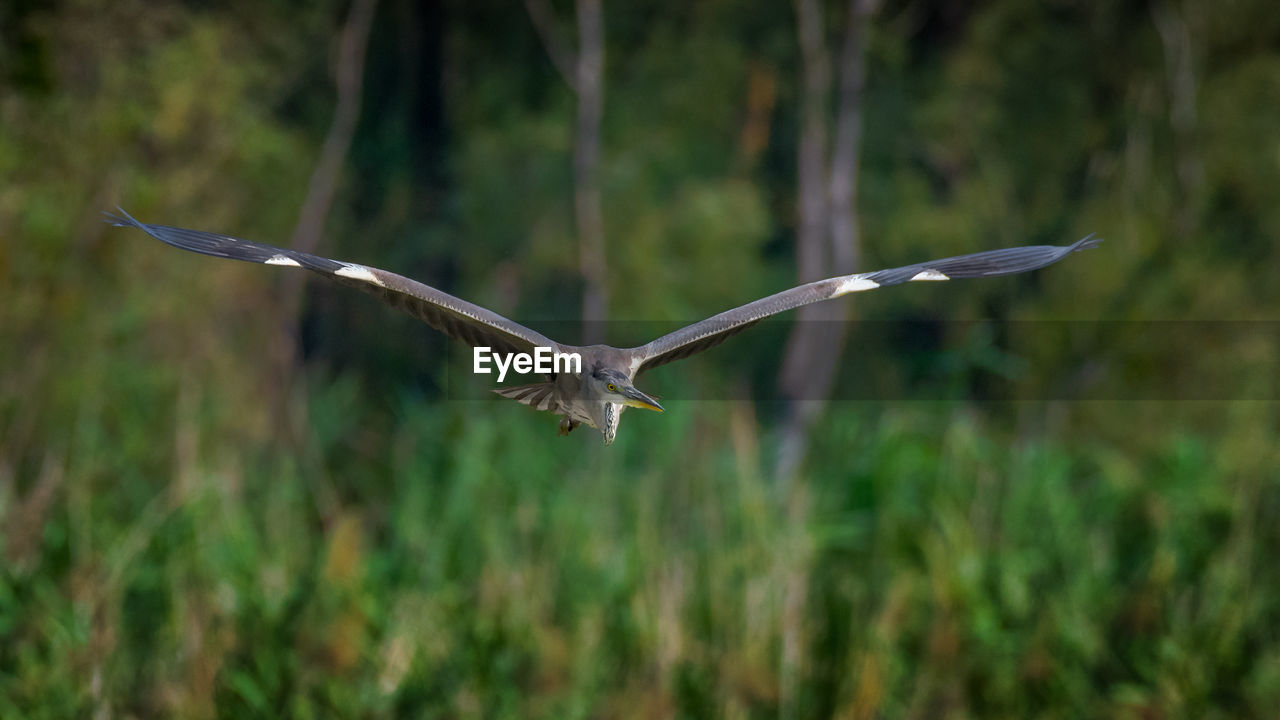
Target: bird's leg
{"x":566,"y":426}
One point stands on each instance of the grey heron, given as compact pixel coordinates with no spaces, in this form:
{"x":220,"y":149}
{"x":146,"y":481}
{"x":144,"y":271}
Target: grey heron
{"x":604,"y":387}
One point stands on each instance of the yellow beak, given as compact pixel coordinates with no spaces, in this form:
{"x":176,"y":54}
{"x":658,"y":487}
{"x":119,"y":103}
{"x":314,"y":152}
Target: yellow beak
{"x":637,"y":399}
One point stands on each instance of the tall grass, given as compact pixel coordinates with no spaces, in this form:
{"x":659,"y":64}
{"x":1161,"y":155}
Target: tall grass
{"x":457,"y":560}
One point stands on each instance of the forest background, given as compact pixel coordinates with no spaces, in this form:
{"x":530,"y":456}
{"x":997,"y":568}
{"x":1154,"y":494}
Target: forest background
{"x":227,"y":492}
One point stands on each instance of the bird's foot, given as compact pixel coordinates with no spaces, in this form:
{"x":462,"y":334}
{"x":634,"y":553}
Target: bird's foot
{"x":566,"y":426}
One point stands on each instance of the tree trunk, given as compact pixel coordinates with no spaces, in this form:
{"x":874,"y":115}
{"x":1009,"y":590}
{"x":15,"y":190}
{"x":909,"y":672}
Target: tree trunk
{"x":827,"y":242}
{"x":826,"y":245}
{"x":349,"y":76}
{"x":583,"y":72}
{"x":589,"y":80}
{"x":1180,"y":60}
{"x":349,"y":79}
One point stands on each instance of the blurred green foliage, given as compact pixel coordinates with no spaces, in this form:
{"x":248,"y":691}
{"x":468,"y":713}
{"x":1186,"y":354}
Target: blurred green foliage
{"x":171,"y":547}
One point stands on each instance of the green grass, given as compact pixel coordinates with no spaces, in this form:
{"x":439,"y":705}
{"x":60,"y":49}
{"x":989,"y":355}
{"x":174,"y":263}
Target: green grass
{"x":427,"y":564}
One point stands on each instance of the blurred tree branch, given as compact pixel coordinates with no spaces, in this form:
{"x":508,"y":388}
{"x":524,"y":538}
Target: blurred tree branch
{"x":583,"y":71}
{"x":562,"y":56}
{"x":1179,"y":59}
{"x":348,"y":77}
{"x":826,"y":245}
{"x":586,"y":169}
{"x":827,"y":241}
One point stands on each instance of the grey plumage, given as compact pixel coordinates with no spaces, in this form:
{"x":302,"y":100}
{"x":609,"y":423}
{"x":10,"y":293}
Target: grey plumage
{"x":596,"y":396}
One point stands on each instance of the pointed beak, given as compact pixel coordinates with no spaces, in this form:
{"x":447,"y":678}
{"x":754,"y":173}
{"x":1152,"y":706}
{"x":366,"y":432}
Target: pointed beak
{"x":635,"y":398}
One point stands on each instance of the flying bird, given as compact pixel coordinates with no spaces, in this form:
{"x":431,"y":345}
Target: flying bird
{"x":604,"y":387}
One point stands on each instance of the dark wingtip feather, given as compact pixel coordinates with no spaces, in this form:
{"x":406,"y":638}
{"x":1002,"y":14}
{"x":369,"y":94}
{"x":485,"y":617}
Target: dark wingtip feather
{"x":1088,"y":241}
{"x":124,"y":219}
{"x":218,"y":245}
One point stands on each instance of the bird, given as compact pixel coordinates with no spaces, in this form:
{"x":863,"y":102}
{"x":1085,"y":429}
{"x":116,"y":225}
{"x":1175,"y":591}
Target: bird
{"x":603,"y":385}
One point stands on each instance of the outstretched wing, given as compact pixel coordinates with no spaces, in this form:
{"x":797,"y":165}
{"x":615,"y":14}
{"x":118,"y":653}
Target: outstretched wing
{"x":714,"y":330}
{"x":456,"y":318}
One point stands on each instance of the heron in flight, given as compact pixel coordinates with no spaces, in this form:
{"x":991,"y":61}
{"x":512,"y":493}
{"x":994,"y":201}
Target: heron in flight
{"x":597,"y":395}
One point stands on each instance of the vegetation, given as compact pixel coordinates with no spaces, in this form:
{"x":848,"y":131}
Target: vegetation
{"x":1051,"y":495}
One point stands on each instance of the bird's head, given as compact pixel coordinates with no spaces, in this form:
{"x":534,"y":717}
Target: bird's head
{"x":612,"y":390}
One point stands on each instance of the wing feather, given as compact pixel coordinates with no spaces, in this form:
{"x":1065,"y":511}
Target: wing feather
{"x":708,"y":333}
{"x":457,"y":318}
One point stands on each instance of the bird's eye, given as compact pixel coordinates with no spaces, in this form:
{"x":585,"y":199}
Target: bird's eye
{"x":613,"y":388}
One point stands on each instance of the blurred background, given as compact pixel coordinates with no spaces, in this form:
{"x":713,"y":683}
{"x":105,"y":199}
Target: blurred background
{"x":228,"y":492}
